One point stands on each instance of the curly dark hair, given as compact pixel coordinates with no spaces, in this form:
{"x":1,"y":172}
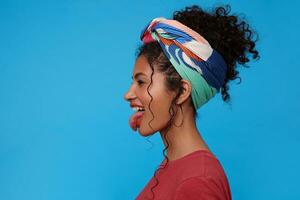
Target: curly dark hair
{"x":228,"y":34}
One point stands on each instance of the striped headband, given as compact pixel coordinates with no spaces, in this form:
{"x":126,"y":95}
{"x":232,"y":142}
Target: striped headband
{"x":191,"y":55}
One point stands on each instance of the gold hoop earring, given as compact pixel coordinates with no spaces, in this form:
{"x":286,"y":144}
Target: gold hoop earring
{"x":182,"y":117}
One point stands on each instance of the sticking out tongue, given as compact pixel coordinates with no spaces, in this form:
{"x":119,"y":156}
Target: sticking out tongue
{"x":135,"y":120}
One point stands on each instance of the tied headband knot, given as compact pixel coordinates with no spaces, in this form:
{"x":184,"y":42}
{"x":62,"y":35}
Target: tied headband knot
{"x":191,"y":55}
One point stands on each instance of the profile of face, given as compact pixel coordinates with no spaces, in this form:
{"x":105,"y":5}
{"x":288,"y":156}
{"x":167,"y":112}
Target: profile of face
{"x":138,"y":96}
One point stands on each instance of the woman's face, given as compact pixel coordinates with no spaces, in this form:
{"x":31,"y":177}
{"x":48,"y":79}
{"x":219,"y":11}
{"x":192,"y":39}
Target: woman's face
{"x":138,"y":95}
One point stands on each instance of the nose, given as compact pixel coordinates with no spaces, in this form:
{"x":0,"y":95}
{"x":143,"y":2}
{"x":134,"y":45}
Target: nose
{"x":129,"y":95}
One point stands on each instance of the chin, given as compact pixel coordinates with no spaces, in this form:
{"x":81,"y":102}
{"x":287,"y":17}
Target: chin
{"x":145,"y":133}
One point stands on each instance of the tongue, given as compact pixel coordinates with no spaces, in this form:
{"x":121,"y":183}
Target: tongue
{"x":135,"y":121}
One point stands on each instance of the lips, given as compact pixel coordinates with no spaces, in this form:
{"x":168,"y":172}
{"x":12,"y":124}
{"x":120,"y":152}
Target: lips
{"x":133,"y":105}
{"x":136,"y":117}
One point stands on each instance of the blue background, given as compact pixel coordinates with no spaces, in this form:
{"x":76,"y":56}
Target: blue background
{"x":64,"y":133}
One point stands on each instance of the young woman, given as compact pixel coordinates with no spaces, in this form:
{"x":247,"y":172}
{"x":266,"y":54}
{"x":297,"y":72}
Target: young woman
{"x":182,"y":63}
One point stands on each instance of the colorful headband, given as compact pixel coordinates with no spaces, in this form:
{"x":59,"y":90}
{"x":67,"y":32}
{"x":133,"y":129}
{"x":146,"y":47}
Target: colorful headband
{"x":191,"y":55}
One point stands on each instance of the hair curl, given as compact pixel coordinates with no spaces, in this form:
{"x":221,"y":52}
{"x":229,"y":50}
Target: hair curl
{"x":230,"y":35}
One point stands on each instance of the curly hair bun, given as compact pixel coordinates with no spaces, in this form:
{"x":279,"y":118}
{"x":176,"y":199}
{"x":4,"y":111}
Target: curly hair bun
{"x":228,"y":34}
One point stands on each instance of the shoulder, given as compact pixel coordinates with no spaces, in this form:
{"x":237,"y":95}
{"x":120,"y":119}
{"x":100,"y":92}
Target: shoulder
{"x":201,"y":164}
{"x":199,"y":187}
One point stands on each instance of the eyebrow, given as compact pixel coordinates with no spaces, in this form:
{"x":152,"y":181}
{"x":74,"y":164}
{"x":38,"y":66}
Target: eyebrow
{"x":138,"y":74}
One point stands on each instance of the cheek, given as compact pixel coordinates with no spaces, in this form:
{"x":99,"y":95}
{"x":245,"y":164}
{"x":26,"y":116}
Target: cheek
{"x":160,"y":116}
{"x":163,"y":107}
{"x":144,"y":97}
{"x":160,"y":107}
{"x":160,"y":101}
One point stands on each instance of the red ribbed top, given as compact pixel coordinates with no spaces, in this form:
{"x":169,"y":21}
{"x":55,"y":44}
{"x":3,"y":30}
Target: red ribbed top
{"x":196,"y":176}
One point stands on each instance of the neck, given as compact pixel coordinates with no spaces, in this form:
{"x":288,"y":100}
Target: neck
{"x":184,"y":138}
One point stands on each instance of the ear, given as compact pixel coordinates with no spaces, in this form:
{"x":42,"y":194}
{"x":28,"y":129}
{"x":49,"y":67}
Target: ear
{"x":185,"y":91}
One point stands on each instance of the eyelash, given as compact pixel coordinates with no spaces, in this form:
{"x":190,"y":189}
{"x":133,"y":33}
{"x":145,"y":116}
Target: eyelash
{"x":140,"y":82}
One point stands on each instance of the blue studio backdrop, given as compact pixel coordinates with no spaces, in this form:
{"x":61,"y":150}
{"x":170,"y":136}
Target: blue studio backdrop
{"x":64,"y":69}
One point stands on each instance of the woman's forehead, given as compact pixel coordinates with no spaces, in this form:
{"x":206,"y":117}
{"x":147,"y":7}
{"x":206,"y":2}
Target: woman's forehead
{"x":142,"y":67}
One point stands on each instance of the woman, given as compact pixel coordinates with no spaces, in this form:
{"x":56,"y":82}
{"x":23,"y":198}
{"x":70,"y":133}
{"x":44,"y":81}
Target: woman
{"x":180,"y":66}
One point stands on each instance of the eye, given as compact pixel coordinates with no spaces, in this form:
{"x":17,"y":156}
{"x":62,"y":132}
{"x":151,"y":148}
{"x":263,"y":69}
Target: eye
{"x":140,"y":82}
